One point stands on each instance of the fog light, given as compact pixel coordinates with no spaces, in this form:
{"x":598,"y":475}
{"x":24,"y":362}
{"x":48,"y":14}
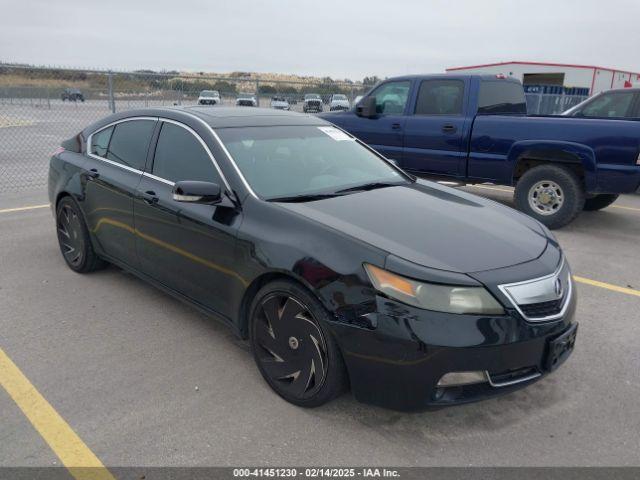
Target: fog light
{"x":462,"y":378}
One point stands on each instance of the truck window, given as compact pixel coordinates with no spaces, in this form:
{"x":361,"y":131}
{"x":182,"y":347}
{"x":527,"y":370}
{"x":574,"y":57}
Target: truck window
{"x":440,"y":97}
{"x":500,"y":97}
{"x":609,"y":105}
{"x":391,"y":97}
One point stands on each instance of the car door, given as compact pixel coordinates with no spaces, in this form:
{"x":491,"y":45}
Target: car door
{"x":434,"y":133}
{"x":118,"y":153}
{"x":385,"y":131}
{"x":187,"y":247}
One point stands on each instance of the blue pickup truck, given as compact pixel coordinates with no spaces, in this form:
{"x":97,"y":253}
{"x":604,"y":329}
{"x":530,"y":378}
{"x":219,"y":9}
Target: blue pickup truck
{"x":475,"y":129}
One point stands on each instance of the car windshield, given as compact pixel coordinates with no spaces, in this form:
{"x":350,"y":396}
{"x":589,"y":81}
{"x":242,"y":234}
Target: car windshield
{"x":245,"y":95}
{"x":312,"y":96}
{"x":209,"y":93}
{"x":285,"y":161}
{"x":339,"y":97}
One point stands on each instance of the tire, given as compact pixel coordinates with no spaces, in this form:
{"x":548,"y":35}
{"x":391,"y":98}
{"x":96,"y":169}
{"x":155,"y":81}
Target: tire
{"x":599,"y":201}
{"x":552,"y":194}
{"x":73,"y":238}
{"x":295,"y":352}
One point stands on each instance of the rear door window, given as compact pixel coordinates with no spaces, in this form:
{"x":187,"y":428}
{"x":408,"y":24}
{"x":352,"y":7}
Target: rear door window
{"x":130,"y":142}
{"x":440,"y":97}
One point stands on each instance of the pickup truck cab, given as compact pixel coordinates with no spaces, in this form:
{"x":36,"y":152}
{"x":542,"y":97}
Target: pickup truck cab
{"x":475,"y":129}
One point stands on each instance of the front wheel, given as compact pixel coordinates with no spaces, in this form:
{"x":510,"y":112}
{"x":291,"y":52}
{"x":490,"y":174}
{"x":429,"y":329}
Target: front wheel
{"x":293,"y":349}
{"x":552,"y":194}
{"x":599,"y":201}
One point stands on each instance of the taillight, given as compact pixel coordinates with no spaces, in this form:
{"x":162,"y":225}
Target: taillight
{"x":58,"y":151}
{"x":501,"y":76}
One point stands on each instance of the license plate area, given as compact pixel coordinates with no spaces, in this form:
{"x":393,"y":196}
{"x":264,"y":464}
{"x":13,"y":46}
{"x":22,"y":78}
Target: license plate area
{"x":560,"y":348}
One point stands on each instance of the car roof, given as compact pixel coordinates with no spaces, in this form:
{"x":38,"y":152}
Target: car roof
{"x":453,"y":76}
{"x":223,"y":117}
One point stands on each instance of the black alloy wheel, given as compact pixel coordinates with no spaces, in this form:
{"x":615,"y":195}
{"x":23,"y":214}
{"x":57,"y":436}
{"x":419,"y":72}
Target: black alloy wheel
{"x":73,"y":238}
{"x":297,"y":357}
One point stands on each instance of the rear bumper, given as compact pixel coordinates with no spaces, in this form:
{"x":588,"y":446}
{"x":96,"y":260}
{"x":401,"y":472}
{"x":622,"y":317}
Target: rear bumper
{"x":398,"y":364}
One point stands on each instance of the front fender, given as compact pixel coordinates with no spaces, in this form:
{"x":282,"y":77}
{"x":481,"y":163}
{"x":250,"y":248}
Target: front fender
{"x":557,"y":152}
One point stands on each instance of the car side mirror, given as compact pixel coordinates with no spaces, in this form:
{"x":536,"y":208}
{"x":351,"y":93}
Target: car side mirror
{"x":366,"y":107}
{"x":191,"y":191}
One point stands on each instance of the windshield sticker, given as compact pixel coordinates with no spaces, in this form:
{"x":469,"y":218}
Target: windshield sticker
{"x":337,"y":135}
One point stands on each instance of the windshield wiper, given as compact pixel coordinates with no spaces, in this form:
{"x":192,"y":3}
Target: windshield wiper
{"x":369,"y":186}
{"x":303,"y":198}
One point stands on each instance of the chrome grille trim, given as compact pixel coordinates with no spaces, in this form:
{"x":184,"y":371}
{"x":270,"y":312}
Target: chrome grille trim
{"x":566,"y":298}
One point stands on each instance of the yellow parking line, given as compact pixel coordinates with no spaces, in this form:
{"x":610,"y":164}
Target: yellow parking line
{"x":65,"y":443}
{"x":607,"y":286}
{"x":626,"y":208}
{"x":20,"y":209}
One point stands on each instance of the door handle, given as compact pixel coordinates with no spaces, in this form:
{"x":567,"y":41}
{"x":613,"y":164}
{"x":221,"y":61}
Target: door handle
{"x":93,"y":173}
{"x":150,"y":197}
{"x":395,"y":126}
{"x":448,"y":128}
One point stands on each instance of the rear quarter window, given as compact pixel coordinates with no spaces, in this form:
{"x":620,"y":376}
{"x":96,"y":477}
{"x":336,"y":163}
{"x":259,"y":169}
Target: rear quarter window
{"x":499,"y":97}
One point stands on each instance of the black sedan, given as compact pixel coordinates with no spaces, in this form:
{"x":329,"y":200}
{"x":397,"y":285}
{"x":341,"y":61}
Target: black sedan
{"x":341,"y":269}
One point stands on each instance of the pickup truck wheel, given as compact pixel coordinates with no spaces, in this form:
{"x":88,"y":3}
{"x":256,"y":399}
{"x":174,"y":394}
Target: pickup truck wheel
{"x":599,"y":201}
{"x":551,"y":194}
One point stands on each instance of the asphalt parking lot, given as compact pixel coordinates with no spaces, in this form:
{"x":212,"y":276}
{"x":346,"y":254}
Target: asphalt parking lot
{"x":143,"y":379}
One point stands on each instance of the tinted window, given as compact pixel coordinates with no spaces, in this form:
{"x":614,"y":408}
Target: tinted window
{"x":391,"y":97}
{"x":129,"y":143}
{"x":440,"y":97}
{"x":180,"y":156}
{"x":298,"y":160}
{"x":100,"y":142}
{"x":609,"y":105}
{"x":501,"y":97}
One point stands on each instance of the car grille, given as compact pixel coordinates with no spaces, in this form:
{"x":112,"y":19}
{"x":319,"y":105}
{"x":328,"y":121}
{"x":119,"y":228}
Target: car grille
{"x":543,"y":309}
{"x":313,"y":103}
{"x":245,"y":103}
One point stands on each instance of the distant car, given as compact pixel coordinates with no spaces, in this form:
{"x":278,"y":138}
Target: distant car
{"x":619,"y":103}
{"x":246,"y":100}
{"x":209,"y":97}
{"x":312,"y":103}
{"x":279,"y":103}
{"x":339,"y":102}
{"x":72,"y":95}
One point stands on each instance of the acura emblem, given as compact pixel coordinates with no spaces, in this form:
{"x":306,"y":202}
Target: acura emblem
{"x":557,"y":287}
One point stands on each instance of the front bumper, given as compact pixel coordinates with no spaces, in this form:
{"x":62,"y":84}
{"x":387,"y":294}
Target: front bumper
{"x":415,"y":348}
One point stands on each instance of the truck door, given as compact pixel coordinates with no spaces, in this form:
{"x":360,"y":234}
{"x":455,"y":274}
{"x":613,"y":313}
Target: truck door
{"x":385,"y":131}
{"x":434,"y":136}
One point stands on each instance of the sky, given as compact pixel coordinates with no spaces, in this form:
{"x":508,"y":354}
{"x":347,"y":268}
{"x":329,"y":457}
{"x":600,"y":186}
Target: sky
{"x":341,"y":39}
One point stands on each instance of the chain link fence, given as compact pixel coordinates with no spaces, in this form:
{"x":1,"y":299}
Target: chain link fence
{"x":40,"y":107}
{"x":551,"y":104}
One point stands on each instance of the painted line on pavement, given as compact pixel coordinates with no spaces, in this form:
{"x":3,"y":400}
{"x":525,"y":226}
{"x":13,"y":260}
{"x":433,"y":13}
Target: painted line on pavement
{"x":65,"y":443}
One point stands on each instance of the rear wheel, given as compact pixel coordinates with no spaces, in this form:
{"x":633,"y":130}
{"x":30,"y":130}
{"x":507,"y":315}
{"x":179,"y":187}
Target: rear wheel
{"x":552,"y":194}
{"x":73,"y":238}
{"x":600,"y":201}
{"x":295,"y":353}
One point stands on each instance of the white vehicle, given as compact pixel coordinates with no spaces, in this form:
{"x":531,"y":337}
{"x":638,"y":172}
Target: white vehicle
{"x":246,"y":100}
{"x":279,"y":103}
{"x":339,"y":102}
{"x":209,"y":97}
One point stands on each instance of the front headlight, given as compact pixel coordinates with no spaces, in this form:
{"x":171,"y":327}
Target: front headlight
{"x":432,"y":296}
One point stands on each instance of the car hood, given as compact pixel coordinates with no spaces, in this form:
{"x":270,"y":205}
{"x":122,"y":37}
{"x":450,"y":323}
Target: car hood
{"x":432,"y":225}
